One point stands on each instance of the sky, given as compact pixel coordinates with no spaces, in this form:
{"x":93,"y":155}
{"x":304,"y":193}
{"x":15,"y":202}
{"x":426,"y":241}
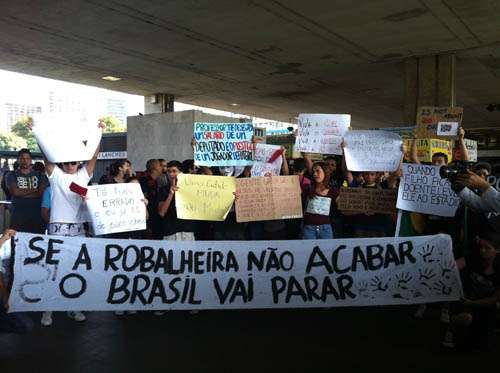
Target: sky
{"x":33,"y":90}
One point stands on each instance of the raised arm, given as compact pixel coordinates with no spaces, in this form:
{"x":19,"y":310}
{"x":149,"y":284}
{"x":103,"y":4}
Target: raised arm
{"x":309,"y":163}
{"x":414,"y":151}
{"x":461,"y":143}
{"x":347,"y":174}
{"x":284,"y":166}
{"x":90,"y":166}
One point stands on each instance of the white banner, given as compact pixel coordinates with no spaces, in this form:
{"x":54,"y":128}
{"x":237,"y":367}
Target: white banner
{"x":116,"y":208}
{"x":422,"y":190}
{"x":64,"y":138}
{"x":261,"y":166}
{"x":372,"y":150}
{"x":321,"y":133}
{"x":77,"y":273}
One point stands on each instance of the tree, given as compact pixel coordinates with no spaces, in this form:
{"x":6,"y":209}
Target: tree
{"x":10,"y":141}
{"x":22,"y":130}
{"x":113,"y":125}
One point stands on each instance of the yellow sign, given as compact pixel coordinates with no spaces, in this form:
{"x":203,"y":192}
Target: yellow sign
{"x":427,"y":147}
{"x":202,"y":197}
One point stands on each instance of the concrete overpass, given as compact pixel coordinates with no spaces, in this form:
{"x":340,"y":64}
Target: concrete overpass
{"x":373,"y":59}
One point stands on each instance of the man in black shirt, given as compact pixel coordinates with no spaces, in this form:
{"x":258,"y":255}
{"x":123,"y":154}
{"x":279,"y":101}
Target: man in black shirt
{"x":26,"y":187}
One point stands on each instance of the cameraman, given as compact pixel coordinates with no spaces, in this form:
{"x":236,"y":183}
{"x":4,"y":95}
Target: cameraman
{"x":489,"y":199}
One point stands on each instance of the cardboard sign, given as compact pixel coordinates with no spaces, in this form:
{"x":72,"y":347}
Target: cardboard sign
{"x":263,"y":155}
{"x":422,"y":190}
{"x":404,"y":132}
{"x":427,"y":147}
{"x":98,"y":274}
{"x":268,"y":198}
{"x":428,"y":118}
{"x":202,"y":197}
{"x":321,"y":133}
{"x":64,"y":138}
{"x":223,"y":144}
{"x":116,"y":208}
{"x":471,"y":146}
{"x":319,"y":205}
{"x":447,"y":129}
{"x":371,"y":200}
{"x":372,"y":151}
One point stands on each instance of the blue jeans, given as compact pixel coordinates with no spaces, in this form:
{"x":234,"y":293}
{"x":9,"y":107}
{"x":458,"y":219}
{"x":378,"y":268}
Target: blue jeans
{"x":317,"y":232}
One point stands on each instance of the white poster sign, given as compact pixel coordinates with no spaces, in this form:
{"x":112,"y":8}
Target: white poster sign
{"x":321,"y":133}
{"x":447,"y":128}
{"x":78,"y":273}
{"x":319,"y":205}
{"x":116,"y":208}
{"x":422,"y":190}
{"x":263,"y":154}
{"x":64,"y":138}
{"x":372,"y":150}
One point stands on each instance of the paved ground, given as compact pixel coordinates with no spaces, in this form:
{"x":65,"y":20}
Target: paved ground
{"x":359,"y":340}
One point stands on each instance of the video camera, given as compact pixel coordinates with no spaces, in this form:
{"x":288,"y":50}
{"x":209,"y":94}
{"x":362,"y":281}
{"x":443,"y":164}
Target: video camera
{"x":458,"y":168}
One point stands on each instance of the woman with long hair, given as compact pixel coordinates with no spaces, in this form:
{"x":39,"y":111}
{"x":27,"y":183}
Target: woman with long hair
{"x":320,"y":204}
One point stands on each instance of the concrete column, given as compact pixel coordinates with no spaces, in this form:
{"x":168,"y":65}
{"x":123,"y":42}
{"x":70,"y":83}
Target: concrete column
{"x":159,"y":103}
{"x":429,"y":81}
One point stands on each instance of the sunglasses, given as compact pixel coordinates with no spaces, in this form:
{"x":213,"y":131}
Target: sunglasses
{"x":71,"y":163}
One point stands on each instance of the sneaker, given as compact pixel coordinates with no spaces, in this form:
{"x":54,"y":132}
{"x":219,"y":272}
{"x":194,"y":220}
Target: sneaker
{"x":159,"y":313}
{"x":445,"y":316}
{"x":119,"y":313}
{"x":419,"y":314}
{"x":46,"y":318}
{"x":77,"y":316}
{"x":448,"y":340}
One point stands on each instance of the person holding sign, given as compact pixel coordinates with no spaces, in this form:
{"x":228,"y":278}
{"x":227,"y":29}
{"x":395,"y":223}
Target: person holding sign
{"x":320,"y":205}
{"x":173,"y":228}
{"x":67,"y":213}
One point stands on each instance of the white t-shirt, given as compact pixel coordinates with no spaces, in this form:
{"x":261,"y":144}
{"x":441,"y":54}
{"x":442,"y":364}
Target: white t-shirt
{"x":67,"y":206}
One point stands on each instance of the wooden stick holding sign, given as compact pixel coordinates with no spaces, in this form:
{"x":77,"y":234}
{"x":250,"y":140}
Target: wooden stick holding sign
{"x":367,"y":200}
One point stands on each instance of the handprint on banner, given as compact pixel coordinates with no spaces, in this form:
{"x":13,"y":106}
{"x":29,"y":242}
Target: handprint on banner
{"x":425,"y":275}
{"x":379,"y":285}
{"x":362,"y":288}
{"x":426,"y":253}
{"x":403,"y":279}
{"x":442,"y":288}
{"x":447,"y":269}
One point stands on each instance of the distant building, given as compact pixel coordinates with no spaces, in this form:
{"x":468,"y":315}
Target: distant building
{"x":117,"y":108}
{"x":14,"y":112}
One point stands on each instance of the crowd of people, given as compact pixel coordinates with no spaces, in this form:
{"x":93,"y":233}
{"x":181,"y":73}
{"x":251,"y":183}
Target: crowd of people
{"x":42,"y":201}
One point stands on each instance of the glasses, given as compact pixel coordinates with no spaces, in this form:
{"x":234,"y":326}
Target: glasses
{"x":71,"y":163}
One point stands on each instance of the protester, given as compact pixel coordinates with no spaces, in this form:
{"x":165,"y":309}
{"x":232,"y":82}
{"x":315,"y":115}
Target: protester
{"x":162,"y":179}
{"x":320,"y":205}
{"x":173,"y":228}
{"x":26,"y":187}
{"x":67,"y":211}
{"x":150,"y":188}
{"x":474,"y":319}
{"x":9,"y":322}
{"x":489,"y":201}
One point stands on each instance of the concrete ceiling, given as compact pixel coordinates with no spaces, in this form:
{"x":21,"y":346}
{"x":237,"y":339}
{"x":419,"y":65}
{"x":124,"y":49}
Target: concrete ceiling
{"x":273,"y":58}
